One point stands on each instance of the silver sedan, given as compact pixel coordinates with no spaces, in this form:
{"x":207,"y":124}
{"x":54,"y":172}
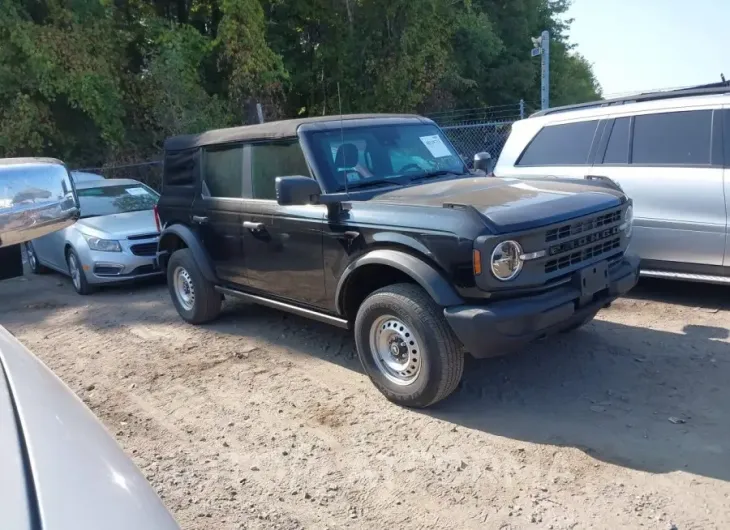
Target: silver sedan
{"x":114,"y":240}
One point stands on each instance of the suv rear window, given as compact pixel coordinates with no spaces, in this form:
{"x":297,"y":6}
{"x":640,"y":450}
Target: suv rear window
{"x":674,"y":138}
{"x":223,"y":172}
{"x":567,"y":144}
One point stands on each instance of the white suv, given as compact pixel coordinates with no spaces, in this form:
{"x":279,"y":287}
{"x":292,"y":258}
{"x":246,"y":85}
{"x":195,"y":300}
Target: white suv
{"x":669,"y":152}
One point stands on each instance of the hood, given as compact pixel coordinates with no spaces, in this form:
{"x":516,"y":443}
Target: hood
{"x":122,"y":225}
{"x":60,"y":467}
{"x":510,"y":205}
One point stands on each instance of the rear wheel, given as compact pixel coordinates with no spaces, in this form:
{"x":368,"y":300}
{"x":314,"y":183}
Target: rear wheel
{"x":78,"y":276}
{"x":406,"y":346}
{"x":194,"y":297}
{"x":33,"y":263}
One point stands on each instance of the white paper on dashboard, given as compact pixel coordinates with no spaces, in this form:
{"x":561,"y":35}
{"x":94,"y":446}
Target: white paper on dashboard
{"x":436,"y":146}
{"x":136,"y":191}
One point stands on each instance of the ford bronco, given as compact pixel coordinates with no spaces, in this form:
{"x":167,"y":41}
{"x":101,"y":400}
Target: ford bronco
{"x":374,"y":223}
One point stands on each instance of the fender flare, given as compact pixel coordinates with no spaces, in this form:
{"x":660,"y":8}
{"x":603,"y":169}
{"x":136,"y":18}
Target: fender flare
{"x":193,"y":243}
{"x":425,"y":275}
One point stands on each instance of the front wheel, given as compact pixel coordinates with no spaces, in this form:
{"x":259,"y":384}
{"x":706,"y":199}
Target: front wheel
{"x":195,"y":298}
{"x":406,"y":346}
{"x":78,"y":276}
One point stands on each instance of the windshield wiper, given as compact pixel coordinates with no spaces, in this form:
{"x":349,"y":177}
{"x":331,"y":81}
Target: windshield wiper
{"x":371,"y":184}
{"x":434,"y":174}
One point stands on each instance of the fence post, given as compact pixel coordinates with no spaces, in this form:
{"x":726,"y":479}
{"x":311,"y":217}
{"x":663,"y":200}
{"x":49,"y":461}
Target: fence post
{"x":522,"y":109}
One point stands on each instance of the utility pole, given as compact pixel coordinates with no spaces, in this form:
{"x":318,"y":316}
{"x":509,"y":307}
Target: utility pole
{"x":542,"y":47}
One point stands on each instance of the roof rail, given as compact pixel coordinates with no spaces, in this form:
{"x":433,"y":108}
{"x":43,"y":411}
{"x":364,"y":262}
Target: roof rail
{"x":706,"y":90}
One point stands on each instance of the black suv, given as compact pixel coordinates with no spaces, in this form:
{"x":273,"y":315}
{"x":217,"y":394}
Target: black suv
{"x":373,"y":222}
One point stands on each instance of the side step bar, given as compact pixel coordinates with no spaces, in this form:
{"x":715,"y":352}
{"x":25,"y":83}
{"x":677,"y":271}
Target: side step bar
{"x":687,"y":277}
{"x":308,"y":313}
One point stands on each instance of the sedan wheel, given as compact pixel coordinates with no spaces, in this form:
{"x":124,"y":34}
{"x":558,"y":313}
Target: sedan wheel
{"x":35,"y":266}
{"x":78,"y":277}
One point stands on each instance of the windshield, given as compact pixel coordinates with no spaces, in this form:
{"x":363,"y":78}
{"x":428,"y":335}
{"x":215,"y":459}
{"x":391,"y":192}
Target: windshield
{"x":108,"y":200}
{"x":365,"y":156}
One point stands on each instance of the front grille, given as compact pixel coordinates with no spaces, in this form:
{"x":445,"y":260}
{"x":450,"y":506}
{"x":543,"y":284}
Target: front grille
{"x":143,"y":236}
{"x":144,"y":249}
{"x":569,"y":230}
{"x":585,"y":254}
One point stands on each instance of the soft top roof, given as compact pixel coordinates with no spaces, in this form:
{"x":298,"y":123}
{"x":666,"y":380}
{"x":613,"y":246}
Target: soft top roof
{"x":282,"y":129}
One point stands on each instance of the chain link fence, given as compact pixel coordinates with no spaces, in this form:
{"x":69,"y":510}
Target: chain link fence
{"x":474,"y":131}
{"x":470,"y":130}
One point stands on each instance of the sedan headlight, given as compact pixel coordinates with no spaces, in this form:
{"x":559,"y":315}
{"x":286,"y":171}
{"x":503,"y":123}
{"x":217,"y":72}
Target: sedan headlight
{"x":628,"y":225}
{"x":506,"y":261}
{"x":103,"y":245}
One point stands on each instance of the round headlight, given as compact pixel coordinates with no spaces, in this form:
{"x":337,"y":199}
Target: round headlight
{"x":506,"y":262}
{"x":628,"y":223}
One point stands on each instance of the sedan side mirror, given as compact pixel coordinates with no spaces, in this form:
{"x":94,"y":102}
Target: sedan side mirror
{"x":297,"y":190}
{"x":484,"y":162}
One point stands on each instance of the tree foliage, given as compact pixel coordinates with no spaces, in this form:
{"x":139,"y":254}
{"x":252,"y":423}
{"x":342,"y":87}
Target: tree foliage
{"x":91,"y":81}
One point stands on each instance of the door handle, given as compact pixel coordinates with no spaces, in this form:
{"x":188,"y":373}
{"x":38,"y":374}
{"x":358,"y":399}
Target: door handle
{"x":201,"y":220}
{"x":253,"y":226}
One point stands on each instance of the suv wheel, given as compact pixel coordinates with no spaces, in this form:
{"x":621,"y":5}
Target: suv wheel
{"x":78,"y":276}
{"x":195,"y":298}
{"x":33,"y":263}
{"x":406,"y":346}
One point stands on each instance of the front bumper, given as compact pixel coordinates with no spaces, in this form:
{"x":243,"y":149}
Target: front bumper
{"x":112,"y":267}
{"x":503,"y":326}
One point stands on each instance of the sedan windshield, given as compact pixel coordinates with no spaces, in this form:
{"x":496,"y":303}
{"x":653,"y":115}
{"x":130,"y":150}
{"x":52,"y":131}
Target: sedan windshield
{"x":388,"y":154}
{"x":108,"y":200}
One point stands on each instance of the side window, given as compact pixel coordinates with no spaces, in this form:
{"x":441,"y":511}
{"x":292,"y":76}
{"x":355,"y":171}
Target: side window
{"x":675,"y":138}
{"x":271,"y":160}
{"x":223,"y":172}
{"x":179,"y":167}
{"x":617,"y":150}
{"x":568,"y":144}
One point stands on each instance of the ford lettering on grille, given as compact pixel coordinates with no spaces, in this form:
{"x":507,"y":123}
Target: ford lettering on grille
{"x":582,"y":241}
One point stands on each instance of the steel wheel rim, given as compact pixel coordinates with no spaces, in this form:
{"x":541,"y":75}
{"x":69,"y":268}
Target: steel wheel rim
{"x":184,"y":288}
{"x":73,"y":268}
{"x":396,"y":350}
{"x":32,"y":260}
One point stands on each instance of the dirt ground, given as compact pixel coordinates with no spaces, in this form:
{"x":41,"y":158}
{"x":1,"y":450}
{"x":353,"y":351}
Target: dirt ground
{"x":265,"y":420}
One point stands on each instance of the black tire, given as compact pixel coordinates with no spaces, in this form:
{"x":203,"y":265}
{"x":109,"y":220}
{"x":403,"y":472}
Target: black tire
{"x":438,"y":357}
{"x":205,"y":304}
{"x":33,"y":263}
{"x":80,"y":283}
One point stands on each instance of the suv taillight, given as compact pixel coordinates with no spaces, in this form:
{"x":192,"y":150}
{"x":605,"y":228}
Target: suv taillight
{"x":157,"y":218}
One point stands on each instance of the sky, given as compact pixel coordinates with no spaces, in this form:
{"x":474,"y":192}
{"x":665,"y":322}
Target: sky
{"x":642,"y":45}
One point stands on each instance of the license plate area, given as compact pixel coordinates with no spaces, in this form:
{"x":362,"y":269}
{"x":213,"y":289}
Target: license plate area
{"x":592,"y":280}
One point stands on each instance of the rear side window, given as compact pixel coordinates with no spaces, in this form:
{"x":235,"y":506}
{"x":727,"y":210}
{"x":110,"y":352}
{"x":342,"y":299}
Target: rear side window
{"x":271,"y":160}
{"x":223,"y":172}
{"x":617,"y":150}
{"x":180,"y":167}
{"x":560,"y":145}
{"x":675,"y":138}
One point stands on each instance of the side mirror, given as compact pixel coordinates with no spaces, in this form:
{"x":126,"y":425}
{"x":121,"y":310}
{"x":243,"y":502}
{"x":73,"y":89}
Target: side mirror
{"x":297,"y":190}
{"x":484,"y":162}
{"x":37,"y":197}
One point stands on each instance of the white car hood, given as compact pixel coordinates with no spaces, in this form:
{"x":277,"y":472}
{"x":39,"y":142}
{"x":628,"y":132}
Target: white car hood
{"x":61,"y":470}
{"x":122,"y":225}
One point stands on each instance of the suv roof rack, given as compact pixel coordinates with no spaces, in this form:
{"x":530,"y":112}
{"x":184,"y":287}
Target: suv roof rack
{"x":702,"y":90}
